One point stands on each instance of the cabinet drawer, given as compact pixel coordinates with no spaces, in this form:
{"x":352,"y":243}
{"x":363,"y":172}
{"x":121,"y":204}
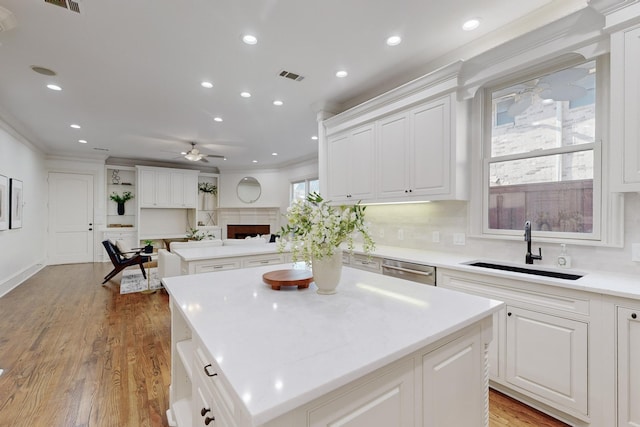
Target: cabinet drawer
{"x":213,"y":390}
{"x":523,"y":292}
{"x":217,"y":266}
{"x":364,"y":262}
{"x":262,"y":260}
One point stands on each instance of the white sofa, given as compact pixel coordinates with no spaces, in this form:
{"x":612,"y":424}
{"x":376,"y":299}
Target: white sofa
{"x":169,"y":263}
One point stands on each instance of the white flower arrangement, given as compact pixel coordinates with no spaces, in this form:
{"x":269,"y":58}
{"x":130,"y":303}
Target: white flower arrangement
{"x":316,"y":229}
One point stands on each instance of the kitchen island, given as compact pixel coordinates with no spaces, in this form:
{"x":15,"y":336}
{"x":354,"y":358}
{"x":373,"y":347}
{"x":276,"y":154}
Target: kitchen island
{"x":381,"y":352}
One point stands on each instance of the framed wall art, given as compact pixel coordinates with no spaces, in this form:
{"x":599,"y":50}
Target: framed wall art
{"x":4,"y":202}
{"x":17,"y":198}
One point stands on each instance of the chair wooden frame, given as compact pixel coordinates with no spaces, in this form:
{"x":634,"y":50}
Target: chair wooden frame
{"x":120,"y":262}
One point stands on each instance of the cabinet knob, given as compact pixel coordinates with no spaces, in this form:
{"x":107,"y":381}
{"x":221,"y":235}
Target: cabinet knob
{"x":633,"y":315}
{"x":208,"y":420}
{"x":509,"y":314}
{"x":209,"y":374}
{"x":203,"y":411}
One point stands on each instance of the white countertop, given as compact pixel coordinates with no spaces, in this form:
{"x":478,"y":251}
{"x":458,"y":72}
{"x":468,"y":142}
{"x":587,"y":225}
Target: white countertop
{"x":607,"y":283}
{"x":281,"y":349}
{"x":198,"y":254}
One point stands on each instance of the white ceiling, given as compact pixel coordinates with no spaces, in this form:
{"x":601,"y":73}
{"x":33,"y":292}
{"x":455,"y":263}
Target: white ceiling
{"x":130,"y":71}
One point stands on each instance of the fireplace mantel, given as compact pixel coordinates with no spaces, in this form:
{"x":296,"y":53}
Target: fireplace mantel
{"x":249,"y":216}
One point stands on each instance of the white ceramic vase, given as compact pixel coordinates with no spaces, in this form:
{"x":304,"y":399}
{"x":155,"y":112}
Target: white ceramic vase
{"x":326,"y":273}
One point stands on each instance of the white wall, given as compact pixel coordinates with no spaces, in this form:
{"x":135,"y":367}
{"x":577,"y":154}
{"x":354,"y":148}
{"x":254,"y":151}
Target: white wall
{"x":22,"y":250}
{"x":418,"y":222}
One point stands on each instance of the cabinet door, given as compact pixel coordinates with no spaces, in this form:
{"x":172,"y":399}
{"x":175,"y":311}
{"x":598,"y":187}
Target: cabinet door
{"x":190,"y":191}
{"x":163,"y":189}
{"x":393,"y":140}
{"x":362,"y":164}
{"x":631,"y":105}
{"x":147,"y":187}
{"x":430,"y":150}
{"x":547,"y":356}
{"x":385,"y":401}
{"x":177,"y":189}
{"x":339,"y":161}
{"x":628,"y":367}
{"x":453,"y":375}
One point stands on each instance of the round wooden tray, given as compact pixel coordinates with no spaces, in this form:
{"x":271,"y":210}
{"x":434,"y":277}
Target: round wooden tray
{"x":279,"y":278}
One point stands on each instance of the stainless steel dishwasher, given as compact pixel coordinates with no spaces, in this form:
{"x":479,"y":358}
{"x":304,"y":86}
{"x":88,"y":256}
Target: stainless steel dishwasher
{"x":420,"y":273}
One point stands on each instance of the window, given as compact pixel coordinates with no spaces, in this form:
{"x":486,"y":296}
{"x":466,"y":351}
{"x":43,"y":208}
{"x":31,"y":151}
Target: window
{"x":542,"y":155}
{"x":300,"y":189}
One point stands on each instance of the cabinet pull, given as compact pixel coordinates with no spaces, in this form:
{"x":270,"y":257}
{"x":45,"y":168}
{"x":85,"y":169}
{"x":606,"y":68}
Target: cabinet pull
{"x":203,"y":411}
{"x":209,"y":374}
{"x":509,"y":314}
{"x":634,"y":316}
{"x":208,"y":420}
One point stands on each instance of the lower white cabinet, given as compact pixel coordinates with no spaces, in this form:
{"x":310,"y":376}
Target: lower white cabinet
{"x":547,"y":355}
{"x":231,"y":263}
{"x":364,"y":262}
{"x":628,"y":336}
{"x":541,"y":346}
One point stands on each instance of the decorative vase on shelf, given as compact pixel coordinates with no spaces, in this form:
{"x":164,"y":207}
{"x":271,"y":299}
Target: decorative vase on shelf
{"x":121,"y":208}
{"x":327,"y":272}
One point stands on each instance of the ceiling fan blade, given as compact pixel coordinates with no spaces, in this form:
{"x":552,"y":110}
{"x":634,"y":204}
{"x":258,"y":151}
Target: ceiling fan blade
{"x":204,"y":160}
{"x":217,"y":156}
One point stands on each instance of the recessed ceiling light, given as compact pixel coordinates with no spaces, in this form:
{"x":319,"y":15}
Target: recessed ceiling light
{"x":249,"y":39}
{"x":274,"y":154}
{"x":394,"y":40}
{"x":184,"y":153}
{"x":54,"y":87}
{"x":217,"y":119}
{"x":206,"y":84}
{"x":277,"y":103}
{"x":254,"y":161}
{"x":245,"y":95}
{"x":342,"y":73}
{"x":315,"y":138}
{"x":471,"y":25}
{"x":82,"y":141}
{"x":75,"y":126}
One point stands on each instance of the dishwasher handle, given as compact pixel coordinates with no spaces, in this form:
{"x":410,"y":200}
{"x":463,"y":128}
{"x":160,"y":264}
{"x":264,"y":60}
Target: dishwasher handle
{"x":407,"y":270}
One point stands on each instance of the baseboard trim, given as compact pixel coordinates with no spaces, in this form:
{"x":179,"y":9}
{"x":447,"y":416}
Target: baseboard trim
{"x":17,"y":279}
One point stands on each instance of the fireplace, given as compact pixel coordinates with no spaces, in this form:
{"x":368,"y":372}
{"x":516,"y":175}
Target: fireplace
{"x":240,"y":231}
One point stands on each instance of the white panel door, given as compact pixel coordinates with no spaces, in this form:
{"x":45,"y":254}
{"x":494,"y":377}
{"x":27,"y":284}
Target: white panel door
{"x":628,"y":367}
{"x":70,"y":218}
{"x":339,"y":161}
{"x":430,"y":156}
{"x":393,"y":143}
{"x":547,"y":355}
{"x":147,"y":186}
{"x":362,"y":157}
{"x":631,"y":105}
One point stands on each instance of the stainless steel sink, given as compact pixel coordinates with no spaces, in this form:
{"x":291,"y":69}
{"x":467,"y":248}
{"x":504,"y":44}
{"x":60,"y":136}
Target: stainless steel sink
{"x":526,"y":270}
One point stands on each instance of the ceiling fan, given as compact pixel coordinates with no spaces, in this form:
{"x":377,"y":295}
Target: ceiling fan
{"x":195,"y":155}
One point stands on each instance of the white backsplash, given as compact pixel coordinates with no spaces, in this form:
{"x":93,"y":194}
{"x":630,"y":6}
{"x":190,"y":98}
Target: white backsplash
{"x":412,"y":226}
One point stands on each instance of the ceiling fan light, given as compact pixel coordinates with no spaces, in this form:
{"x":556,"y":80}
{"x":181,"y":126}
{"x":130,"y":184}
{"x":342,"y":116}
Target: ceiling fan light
{"x":193,"y":157}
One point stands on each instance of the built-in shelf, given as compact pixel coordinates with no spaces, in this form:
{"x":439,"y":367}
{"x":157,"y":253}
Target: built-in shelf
{"x":185,"y":351}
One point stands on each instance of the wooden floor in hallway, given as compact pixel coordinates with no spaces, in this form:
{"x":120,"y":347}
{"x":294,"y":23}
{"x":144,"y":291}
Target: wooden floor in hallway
{"x":76,"y":353}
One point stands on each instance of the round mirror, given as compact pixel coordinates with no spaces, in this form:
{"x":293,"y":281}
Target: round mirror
{"x":249,"y":189}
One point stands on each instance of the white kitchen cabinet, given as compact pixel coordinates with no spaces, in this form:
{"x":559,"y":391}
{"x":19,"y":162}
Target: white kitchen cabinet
{"x":365,"y":262}
{"x":542,"y":342}
{"x":351,"y":165}
{"x":547,"y":356}
{"x":167,"y":188}
{"x":628,"y":336}
{"x":625,"y":110}
{"x":415,"y":152}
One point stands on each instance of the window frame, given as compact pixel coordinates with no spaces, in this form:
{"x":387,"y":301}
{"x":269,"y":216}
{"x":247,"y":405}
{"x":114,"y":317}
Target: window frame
{"x":306,"y":182}
{"x":600,"y":201}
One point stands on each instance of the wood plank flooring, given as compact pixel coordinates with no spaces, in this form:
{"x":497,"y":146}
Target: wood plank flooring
{"x":75,"y":353}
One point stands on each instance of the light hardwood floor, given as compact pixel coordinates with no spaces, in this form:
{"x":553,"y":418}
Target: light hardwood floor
{"x":75,"y":353}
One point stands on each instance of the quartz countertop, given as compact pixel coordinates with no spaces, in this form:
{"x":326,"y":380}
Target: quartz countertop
{"x":601,"y":282}
{"x":281,"y":349}
{"x":199,"y":254}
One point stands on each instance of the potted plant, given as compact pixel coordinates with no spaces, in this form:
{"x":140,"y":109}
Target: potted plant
{"x":121,"y":199}
{"x":195,"y":234}
{"x":209,"y":191}
{"x":148,"y":246}
{"x":315,"y":231}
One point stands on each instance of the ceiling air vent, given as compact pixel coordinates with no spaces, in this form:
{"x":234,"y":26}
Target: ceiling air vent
{"x":67,"y":4}
{"x":290,"y":75}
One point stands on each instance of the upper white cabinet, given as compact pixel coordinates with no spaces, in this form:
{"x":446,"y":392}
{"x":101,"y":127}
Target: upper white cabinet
{"x":351,"y":158}
{"x":625,"y":109}
{"x":415,"y":152}
{"x":409,"y":144}
{"x":167,"y":188}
